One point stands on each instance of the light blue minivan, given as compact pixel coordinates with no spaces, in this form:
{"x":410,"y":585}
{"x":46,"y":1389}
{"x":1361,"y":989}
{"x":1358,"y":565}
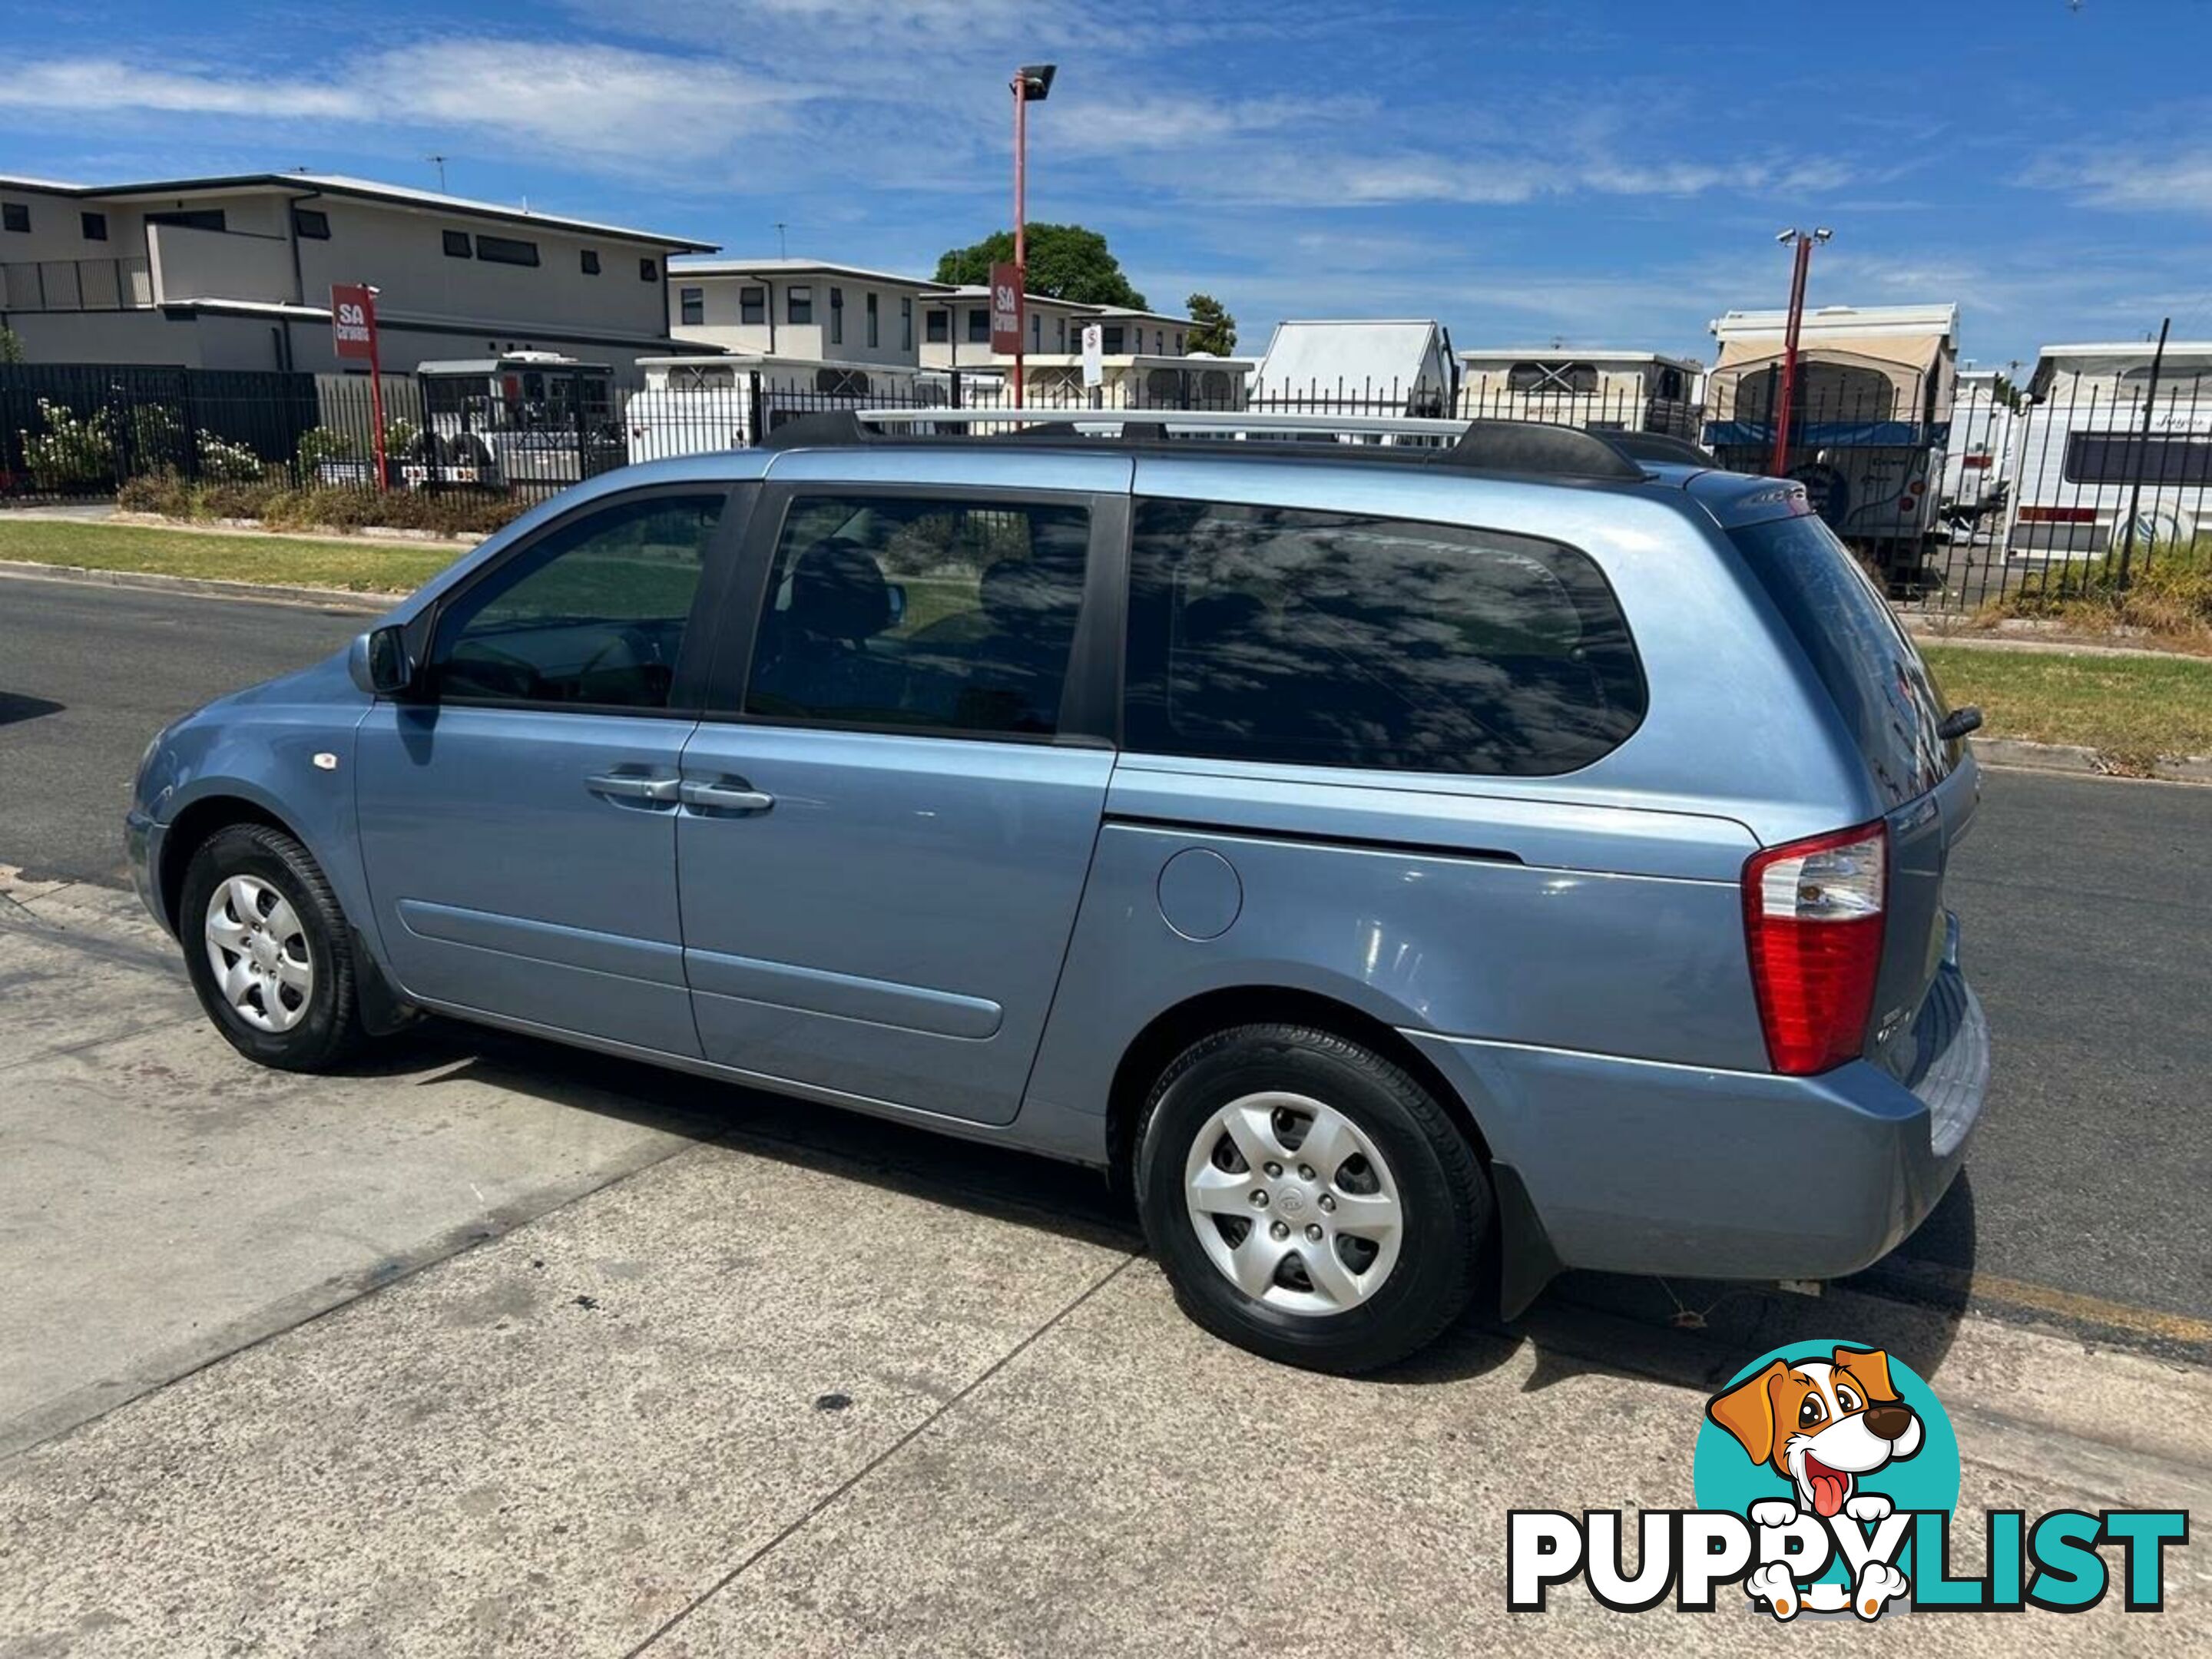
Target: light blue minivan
{"x":1415,"y":868}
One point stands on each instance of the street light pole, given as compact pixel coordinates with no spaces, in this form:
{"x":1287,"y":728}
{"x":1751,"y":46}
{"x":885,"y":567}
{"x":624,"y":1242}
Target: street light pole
{"x":1033,"y":82}
{"x":1803,"y":265}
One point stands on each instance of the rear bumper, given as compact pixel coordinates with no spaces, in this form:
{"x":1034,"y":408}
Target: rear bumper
{"x":1641,"y":1167}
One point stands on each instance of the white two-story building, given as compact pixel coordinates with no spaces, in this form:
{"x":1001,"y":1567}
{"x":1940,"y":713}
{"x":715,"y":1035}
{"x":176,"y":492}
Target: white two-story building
{"x":236,"y":273}
{"x":802,"y":309}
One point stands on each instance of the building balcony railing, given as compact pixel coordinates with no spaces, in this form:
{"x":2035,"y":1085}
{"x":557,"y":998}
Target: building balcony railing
{"x":119,"y":284}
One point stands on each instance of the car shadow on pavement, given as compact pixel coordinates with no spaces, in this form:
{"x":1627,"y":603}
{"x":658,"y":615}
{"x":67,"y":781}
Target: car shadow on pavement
{"x":1691,"y":1332}
{"x":14,"y":706}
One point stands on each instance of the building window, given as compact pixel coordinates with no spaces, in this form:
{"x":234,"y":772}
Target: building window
{"x":1036,"y":331}
{"x":836,"y":316}
{"x":693,"y":302}
{"x":752,"y":305}
{"x":95,"y":226}
{"x":648,"y":270}
{"x":311,"y":223}
{"x":874,"y":327}
{"x":1060,"y":332}
{"x":937,"y":327}
{"x":906,"y":325}
{"x":1115,"y":339}
{"x":1178,"y":343}
{"x":506,"y":250}
{"x":590,"y":258}
{"x":798,"y":303}
{"x":15,"y":215}
{"x":1160,"y":342}
{"x":979,"y":325}
{"x":457,"y":246}
{"x":191,"y":219}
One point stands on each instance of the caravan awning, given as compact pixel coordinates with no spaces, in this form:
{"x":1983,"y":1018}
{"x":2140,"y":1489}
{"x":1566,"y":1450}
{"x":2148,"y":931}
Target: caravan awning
{"x":1918,"y":352}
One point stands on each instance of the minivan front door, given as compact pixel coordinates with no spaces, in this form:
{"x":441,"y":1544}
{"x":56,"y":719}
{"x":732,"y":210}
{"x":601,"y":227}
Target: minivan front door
{"x":518,"y":818}
{"x":884,"y":839}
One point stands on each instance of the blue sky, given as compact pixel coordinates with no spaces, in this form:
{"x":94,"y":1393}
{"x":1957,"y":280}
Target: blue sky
{"x":1603,"y":173}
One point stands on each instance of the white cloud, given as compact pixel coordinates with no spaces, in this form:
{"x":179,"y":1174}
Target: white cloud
{"x":2131,"y":179}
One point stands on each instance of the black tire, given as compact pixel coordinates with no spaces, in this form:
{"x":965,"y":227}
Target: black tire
{"x":329,"y":1031}
{"x":1444,"y":1198}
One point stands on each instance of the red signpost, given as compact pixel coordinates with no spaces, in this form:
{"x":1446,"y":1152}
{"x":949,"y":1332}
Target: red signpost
{"x":353,"y":334}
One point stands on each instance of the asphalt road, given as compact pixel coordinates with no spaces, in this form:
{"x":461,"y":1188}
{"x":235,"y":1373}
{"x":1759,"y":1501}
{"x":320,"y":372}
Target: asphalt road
{"x":2086,"y":907}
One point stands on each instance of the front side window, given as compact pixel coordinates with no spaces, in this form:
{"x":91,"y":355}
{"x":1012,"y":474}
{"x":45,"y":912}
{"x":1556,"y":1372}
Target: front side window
{"x":922,"y":614}
{"x":591,"y":614}
{"x":691,"y":303}
{"x":799,"y":304}
{"x":1330,"y":639}
{"x":752,"y":305}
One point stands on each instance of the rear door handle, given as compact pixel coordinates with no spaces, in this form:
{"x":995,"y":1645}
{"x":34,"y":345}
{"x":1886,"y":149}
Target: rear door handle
{"x":631,"y":786}
{"x":733,"y":797}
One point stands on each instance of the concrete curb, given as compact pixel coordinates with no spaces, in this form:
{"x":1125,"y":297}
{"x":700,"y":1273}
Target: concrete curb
{"x":2072,"y":757}
{"x":386,"y":535}
{"x":2047,"y":648}
{"x":336,"y":598}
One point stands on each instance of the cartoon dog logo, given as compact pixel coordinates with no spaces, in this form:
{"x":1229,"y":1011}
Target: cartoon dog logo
{"x":1823,"y":1426}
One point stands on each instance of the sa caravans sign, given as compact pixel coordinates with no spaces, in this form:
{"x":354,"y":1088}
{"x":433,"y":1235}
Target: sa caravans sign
{"x":1006,"y":309}
{"x":352,"y":320}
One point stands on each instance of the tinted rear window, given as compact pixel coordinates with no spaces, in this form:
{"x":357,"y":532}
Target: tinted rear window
{"x":1327,"y":639}
{"x":1885,"y":693}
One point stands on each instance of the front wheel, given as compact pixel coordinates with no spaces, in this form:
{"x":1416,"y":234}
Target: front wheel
{"x":268,"y":950}
{"x":1308,"y":1200}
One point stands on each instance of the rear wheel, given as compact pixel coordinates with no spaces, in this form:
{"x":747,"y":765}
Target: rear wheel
{"x":1308,"y":1199}
{"x":268,"y":950}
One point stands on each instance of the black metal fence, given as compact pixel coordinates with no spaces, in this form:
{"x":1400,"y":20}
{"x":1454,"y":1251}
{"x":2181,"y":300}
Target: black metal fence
{"x":1953,"y":500}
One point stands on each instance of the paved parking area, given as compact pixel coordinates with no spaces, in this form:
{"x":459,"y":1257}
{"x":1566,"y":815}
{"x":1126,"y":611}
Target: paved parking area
{"x":507,"y":1349}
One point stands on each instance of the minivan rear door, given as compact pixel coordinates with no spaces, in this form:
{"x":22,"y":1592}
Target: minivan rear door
{"x":888,"y":815}
{"x":1890,"y":703}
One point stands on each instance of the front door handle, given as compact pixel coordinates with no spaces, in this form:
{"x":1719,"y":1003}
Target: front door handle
{"x":733,"y":797}
{"x":630,"y":786}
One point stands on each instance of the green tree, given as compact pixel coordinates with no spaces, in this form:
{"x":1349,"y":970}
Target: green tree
{"x":1212,"y":328}
{"x":1067,"y":262}
{"x":11,"y":346}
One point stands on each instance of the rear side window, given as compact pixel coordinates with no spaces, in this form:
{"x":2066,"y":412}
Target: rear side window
{"x":1326,"y":638}
{"x":1869,"y":668}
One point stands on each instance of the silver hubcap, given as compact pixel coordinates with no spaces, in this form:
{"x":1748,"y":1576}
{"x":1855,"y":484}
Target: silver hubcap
{"x":259,"y":953}
{"x":1293,"y":1203}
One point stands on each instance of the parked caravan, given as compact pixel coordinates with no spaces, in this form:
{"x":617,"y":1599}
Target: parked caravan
{"x":522,"y":418}
{"x":1387,"y":367}
{"x":694,"y":406}
{"x":1871,"y":414}
{"x":1978,"y":460}
{"x":2085,"y":453}
{"x":1603,"y":391}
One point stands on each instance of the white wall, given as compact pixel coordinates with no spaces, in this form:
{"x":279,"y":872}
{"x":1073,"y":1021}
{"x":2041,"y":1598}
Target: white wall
{"x":722,"y":324}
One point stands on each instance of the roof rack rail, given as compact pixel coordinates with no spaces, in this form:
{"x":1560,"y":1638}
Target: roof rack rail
{"x":1662,"y":446}
{"x":1524,"y":447}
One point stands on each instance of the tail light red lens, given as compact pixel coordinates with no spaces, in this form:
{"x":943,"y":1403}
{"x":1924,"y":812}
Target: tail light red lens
{"x":1813,"y":912}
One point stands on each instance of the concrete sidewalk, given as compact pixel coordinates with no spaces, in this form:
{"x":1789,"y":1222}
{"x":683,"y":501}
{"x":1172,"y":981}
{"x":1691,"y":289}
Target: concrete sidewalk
{"x":699,"y":1372}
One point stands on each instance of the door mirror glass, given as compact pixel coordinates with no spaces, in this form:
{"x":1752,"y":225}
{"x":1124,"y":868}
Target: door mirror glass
{"x":380,"y":662}
{"x":896,"y":593}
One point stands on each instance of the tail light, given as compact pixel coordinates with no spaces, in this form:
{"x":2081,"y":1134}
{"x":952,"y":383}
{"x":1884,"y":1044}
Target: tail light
{"x":1812,"y":913}
{"x":2058,"y":515}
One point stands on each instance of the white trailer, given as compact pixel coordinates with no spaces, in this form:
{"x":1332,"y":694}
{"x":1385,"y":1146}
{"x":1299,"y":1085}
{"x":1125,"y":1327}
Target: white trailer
{"x":2085,"y":455}
{"x":1380,"y":367}
{"x":1871,"y":415}
{"x":1605,"y":390}
{"x":693,"y":405}
{"x":523,"y":417}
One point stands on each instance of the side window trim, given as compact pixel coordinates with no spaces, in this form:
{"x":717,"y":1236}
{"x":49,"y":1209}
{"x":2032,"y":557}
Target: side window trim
{"x":1090,"y":697}
{"x":686,"y":691}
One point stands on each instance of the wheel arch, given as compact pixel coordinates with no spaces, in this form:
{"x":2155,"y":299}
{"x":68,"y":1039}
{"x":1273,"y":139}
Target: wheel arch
{"x":1175,"y":1028}
{"x":190,"y":830}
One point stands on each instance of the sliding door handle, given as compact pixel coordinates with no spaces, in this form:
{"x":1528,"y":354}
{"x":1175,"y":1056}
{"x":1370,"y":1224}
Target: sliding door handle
{"x":629,"y":785}
{"x":735,"y":797}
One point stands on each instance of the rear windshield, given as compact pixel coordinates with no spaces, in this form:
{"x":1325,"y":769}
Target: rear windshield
{"x":1888,"y":698}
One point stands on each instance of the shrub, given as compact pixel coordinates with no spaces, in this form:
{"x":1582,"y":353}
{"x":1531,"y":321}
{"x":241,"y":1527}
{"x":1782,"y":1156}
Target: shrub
{"x":222,"y":459}
{"x":318,"y":444}
{"x":72,"y":451}
{"x":448,"y":512}
{"x":2169,"y":592}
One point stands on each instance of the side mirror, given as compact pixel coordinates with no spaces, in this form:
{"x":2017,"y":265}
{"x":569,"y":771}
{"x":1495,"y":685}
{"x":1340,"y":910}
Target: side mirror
{"x":379,"y":664}
{"x":897,"y":592}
